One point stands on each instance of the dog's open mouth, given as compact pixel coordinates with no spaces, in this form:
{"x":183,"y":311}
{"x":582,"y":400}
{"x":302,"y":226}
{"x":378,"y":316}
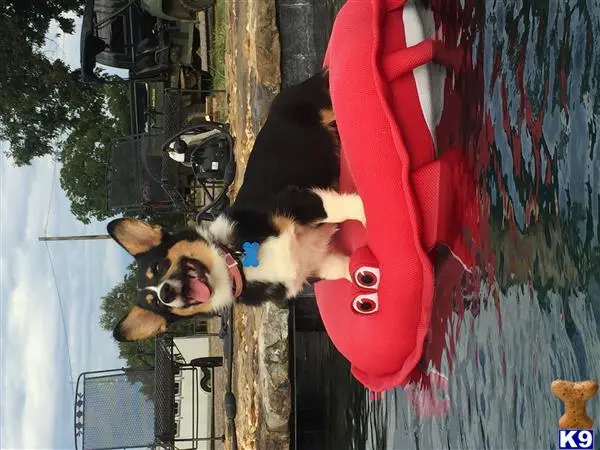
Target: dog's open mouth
{"x":196,"y":287}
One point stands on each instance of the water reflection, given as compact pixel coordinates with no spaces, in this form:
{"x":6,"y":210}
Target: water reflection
{"x":499,"y":373}
{"x":527,"y":94}
{"x":527,"y":102}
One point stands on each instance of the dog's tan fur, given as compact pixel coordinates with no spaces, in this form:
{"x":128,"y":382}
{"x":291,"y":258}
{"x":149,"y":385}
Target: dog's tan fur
{"x":141,"y":324}
{"x":137,"y":236}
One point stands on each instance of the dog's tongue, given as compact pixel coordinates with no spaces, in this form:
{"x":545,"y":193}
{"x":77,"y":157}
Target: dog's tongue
{"x":199,"y":291}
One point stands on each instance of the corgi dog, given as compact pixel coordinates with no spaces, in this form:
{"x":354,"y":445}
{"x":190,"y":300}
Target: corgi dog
{"x":273,"y":238}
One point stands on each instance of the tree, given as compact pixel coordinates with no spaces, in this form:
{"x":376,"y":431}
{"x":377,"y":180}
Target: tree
{"x":83,"y":173}
{"x":45,"y":108}
{"x":84,"y":154}
{"x":33,"y":17}
{"x":116,"y":304}
{"x":40,"y":100}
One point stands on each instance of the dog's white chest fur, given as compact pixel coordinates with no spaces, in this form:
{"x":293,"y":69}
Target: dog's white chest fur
{"x":293,"y":256}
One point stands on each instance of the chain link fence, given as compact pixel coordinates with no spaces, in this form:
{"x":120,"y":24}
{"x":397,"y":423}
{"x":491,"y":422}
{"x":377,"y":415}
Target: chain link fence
{"x":139,"y":176}
{"x":136,"y":408}
{"x":115,"y":409}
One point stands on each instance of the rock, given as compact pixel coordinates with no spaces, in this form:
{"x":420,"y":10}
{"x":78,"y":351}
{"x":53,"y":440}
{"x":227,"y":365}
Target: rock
{"x":264,"y":54}
{"x":253,"y":78}
{"x":273,"y":379}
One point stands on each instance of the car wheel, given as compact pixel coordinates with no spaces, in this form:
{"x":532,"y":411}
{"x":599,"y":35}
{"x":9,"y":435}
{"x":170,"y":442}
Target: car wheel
{"x":206,"y":381}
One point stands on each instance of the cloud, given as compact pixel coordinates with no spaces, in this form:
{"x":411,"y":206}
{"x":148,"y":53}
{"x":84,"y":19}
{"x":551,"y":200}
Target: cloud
{"x":32,"y":351}
{"x":36,"y":402}
{"x":36,"y":392}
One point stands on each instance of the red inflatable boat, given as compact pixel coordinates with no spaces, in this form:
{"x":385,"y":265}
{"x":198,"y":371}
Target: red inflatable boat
{"x":413,"y":200}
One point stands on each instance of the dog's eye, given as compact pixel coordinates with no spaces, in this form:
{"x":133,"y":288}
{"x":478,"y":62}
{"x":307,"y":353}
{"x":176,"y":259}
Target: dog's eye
{"x":365,"y":304}
{"x":159,"y":266}
{"x":367,"y":277}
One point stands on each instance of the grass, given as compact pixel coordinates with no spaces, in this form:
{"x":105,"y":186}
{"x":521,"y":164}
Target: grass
{"x":219,"y":44}
{"x":217,"y":57}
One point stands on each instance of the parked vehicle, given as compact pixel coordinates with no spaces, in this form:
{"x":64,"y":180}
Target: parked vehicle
{"x":156,"y":44}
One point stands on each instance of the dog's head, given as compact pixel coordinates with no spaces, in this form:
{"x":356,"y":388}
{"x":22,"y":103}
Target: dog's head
{"x":180,"y":275}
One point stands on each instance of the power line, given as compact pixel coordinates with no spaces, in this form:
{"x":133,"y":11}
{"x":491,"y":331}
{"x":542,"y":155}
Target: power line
{"x":84,"y":237}
{"x":50,"y":201}
{"x":53,"y":271}
{"x":62,"y":315}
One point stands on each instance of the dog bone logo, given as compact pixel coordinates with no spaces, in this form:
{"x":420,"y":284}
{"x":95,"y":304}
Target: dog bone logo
{"x":574,"y":395}
{"x":250,"y":254}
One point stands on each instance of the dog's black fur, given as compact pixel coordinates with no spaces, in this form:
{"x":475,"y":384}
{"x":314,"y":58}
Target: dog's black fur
{"x":293,"y":148}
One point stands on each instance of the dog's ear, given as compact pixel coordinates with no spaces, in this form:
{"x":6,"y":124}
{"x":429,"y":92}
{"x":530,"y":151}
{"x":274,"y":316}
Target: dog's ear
{"x":139,"y":324}
{"x":135,"y":236}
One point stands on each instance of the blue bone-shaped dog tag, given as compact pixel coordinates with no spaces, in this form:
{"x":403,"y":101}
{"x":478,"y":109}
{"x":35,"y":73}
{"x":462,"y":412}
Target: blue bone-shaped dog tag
{"x":250,"y":254}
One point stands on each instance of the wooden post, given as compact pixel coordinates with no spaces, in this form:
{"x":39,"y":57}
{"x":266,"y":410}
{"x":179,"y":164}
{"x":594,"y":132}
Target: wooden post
{"x":89,"y":237}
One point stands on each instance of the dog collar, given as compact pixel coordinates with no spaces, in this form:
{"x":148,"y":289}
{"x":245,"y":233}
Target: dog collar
{"x":233,"y":266}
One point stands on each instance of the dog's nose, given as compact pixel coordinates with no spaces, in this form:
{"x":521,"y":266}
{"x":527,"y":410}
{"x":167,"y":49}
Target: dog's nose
{"x":167,"y":293}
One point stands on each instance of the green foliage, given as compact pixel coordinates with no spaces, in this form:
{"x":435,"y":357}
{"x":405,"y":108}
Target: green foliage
{"x":119,"y":299}
{"x":115,"y":305}
{"x":45,"y":108}
{"x":117,"y":104}
{"x":84,"y":153}
{"x":33,"y":112}
{"x":39,"y":99}
{"x":33,"y":17}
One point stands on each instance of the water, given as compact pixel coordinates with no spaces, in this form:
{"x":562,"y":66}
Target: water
{"x":524,"y":106}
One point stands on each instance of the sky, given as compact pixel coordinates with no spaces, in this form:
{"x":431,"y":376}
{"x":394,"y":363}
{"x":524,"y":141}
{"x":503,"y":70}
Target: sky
{"x":39,"y":353}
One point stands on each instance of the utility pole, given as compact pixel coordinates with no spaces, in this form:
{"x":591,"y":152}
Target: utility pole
{"x":89,"y":237}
